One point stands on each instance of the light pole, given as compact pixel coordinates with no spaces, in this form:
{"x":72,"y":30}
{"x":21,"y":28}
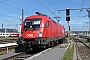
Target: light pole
{"x":5,"y":28}
{"x":86,"y":29}
{"x":20,"y":25}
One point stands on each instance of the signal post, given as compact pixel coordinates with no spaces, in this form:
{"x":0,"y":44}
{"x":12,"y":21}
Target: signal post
{"x":68,"y":19}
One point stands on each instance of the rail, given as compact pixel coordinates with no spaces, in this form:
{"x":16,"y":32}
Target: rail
{"x":82,"y":49}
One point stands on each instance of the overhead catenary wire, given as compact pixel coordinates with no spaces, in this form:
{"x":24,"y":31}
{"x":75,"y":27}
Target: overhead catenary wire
{"x":50,"y":4}
{"x":26,"y":4}
{"x":55,"y":8}
{"x":46,"y":7}
{"x":12,"y":6}
{"x":83,"y":2}
{"x":72,"y":5}
{"x":9,"y":16}
{"x":9,"y":5}
{"x":82,"y":7}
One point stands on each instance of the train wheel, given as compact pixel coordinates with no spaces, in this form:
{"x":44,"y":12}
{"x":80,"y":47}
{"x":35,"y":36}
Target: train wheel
{"x":60,"y":41}
{"x":52,"y":44}
{"x":49,"y":45}
{"x":44,"y":47}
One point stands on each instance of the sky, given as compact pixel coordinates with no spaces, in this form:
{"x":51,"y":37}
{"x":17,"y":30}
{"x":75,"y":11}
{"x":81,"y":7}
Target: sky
{"x":10,"y":11}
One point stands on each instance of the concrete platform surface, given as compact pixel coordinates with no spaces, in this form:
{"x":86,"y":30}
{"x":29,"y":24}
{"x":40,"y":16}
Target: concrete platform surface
{"x":56,"y":53}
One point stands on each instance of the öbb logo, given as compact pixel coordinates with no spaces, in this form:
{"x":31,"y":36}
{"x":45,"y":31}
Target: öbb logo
{"x":29,"y":35}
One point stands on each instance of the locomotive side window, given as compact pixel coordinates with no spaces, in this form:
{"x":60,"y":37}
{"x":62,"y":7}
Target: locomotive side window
{"x":32,"y":24}
{"x":47,"y":24}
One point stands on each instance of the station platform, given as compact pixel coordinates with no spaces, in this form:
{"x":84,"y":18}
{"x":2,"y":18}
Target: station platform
{"x":55,"y":53}
{"x":8,"y":44}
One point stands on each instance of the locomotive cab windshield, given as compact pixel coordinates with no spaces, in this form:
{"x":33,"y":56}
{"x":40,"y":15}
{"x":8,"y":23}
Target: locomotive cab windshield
{"x":32,"y":24}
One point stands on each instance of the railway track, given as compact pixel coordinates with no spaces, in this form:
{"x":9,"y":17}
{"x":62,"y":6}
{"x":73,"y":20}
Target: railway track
{"x":19,"y":56}
{"x":23,"y":55}
{"x":28,"y":54}
{"x":4,"y":41}
{"x":82,"y":50}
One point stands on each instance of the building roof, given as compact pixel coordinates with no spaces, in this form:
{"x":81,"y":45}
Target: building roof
{"x":9,"y":30}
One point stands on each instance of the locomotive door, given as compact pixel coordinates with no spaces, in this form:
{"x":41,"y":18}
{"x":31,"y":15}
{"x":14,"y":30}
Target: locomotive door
{"x":47,"y":29}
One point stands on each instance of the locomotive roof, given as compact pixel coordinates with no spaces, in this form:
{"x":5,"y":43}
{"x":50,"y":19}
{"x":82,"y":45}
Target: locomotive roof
{"x":38,"y":16}
{"x":42,"y":16}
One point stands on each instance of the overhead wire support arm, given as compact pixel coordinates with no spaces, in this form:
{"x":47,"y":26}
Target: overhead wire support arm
{"x":70,"y":9}
{"x":61,"y":10}
{"x":74,"y":9}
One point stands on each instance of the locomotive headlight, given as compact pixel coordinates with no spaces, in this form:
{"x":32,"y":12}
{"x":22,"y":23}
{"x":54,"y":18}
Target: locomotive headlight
{"x":40,"y":34}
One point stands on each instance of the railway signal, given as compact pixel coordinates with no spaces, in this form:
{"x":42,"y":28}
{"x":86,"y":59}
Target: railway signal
{"x":68,"y":18}
{"x":67,"y":14}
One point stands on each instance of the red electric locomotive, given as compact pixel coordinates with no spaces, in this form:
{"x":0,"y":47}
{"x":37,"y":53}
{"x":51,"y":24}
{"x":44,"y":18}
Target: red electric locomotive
{"x":41,"y":31}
